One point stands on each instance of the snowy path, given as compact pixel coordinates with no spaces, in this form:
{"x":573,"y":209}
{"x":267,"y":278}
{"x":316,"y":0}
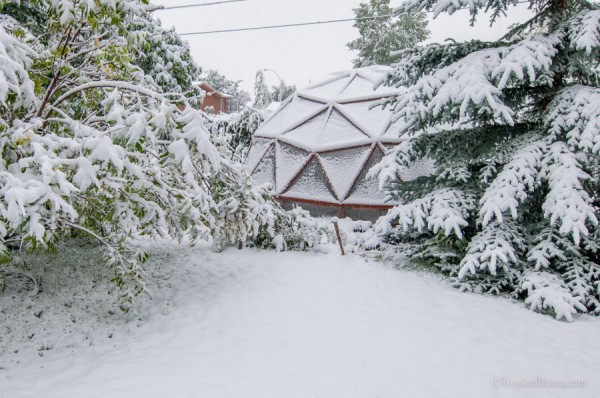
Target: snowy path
{"x":256,"y":324}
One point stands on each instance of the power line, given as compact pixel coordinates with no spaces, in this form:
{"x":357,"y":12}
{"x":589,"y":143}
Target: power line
{"x":214,"y":3}
{"x":291,"y":25}
{"x":284,"y":26}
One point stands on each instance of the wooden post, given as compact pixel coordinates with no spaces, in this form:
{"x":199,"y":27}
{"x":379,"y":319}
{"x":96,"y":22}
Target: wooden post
{"x":339,"y":237}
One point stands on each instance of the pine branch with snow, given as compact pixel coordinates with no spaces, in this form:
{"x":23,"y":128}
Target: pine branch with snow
{"x":547,"y":291}
{"x":495,"y":249}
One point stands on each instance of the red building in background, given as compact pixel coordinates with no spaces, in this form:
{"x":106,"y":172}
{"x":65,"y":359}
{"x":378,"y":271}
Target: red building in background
{"x":214,"y":99}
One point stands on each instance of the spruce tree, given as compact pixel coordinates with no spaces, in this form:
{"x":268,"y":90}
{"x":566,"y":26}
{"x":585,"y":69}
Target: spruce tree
{"x":514,"y":129}
{"x":382,"y":34}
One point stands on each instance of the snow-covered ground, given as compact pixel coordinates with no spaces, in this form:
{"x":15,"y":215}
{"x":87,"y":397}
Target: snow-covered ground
{"x":264,"y":324}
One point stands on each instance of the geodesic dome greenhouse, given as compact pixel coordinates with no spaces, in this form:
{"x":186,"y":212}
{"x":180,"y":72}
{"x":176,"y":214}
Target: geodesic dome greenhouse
{"x":318,"y":147}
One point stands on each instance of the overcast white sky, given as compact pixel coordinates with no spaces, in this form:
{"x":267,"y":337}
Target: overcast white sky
{"x":298,"y":54}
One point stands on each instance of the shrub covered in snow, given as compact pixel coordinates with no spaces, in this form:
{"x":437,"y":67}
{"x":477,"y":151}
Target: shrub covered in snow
{"x":295,"y":229}
{"x":234,"y":131}
{"x":101,"y":140}
{"x":514,"y":129}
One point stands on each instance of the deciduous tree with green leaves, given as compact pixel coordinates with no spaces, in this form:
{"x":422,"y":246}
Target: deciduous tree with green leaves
{"x":382,"y":34}
{"x":100,"y":136}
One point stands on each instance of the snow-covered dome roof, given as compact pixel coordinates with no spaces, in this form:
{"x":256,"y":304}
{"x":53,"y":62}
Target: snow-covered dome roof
{"x":318,"y":147}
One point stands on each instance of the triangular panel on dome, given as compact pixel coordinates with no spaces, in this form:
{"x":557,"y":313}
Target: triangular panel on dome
{"x":265,"y":171}
{"x":257,"y":150}
{"x":373,"y":120}
{"x":326,"y":91}
{"x":366,"y":190}
{"x":311,"y":184}
{"x":343,"y":166}
{"x":329,"y":130}
{"x":290,"y":115}
{"x":358,"y":88}
{"x":362,"y":89}
{"x":307,"y":135}
{"x":340,"y":132}
{"x":290,"y":161}
{"x":377,"y":75}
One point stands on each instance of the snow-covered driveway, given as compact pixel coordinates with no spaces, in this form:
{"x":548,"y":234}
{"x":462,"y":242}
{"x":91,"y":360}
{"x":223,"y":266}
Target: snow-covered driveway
{"x":263,"y":324}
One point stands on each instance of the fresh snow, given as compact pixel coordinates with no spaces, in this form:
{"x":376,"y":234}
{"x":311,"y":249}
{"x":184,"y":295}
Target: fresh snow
{"x":264,"y":324}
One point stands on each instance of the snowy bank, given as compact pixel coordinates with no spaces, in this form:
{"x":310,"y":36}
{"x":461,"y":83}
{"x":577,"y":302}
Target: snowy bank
{"x":264,"y":324}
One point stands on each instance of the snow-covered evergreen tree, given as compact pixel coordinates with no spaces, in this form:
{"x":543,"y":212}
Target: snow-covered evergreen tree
{"x":93,"y":141}
{"x":382,"y":34}
{"x":514,"y":129}
{"x":262,"y":96}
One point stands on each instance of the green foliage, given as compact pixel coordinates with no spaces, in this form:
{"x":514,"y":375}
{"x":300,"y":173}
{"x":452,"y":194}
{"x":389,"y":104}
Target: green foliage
{"x":292,"y":230}
{"x":100,"y":136}
{"x":382,"y":34}
{"x":236,"y":130}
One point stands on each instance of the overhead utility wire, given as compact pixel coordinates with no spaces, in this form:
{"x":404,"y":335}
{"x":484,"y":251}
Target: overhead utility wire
{"x":305,"y":23}
{"x":284,"y":26}
{"x":214,"y":3}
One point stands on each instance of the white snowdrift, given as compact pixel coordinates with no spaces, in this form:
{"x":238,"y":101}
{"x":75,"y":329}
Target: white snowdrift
{"x":263,"y":324}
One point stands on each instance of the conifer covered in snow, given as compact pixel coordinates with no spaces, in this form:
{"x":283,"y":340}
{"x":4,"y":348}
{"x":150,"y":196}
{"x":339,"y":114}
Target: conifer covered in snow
{"x":99,"y":139}
{"x":514,"y":129}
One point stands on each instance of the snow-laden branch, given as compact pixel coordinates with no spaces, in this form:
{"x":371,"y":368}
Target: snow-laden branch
{"x":584,"y":31}
{"x":472,"y":87}
{"x":575,"y":114}
{"x":512,"y":186}
{"x":548,"y":291}
{"x":567,"y":204}
{"x":496,"y":247}
{"x":15,"y":58}
{"x":108,"y":84}
{"x":443,"y":210}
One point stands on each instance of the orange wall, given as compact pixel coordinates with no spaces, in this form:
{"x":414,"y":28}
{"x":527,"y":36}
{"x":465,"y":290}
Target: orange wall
{"x":214,"y":99}
{"x":216,"y":102}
